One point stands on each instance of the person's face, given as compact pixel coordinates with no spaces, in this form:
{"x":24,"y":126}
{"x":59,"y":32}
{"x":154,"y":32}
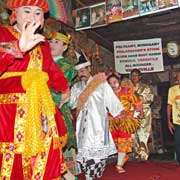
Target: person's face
{"x":135,"y":78}
{"x":125,"y":82}
{"x":84,"y":74}
{"x":29,"y":14}
{"x":57,"y":47}
{"x":114,"y":83}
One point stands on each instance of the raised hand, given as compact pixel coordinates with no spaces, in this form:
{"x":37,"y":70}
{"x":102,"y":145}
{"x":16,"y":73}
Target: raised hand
{"x":28,"y":38}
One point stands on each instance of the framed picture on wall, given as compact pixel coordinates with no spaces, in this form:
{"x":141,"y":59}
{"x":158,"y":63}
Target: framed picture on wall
{"x":130,"y":8}
{"x":147,"y":6}
{"x":98,"y":15}
{"x":113,"y":11}
{"x":83,"y":18}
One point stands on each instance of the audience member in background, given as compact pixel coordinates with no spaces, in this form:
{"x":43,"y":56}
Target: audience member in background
{"x":93,"y":98}
{"x":121,"y":127}
{"x":144,"y":92}
{"x":30,"y":144}
{"x":173,"y":114}
{"x":59,"y":43}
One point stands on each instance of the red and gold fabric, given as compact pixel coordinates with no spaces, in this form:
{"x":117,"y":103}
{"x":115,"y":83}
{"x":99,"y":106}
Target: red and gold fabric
{"x":26,"y":152}
{"x":11,"y":4}
{"x":120,"y":133}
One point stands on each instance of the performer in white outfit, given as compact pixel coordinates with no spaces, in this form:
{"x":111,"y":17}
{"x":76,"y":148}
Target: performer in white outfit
{"x":93,"y":98}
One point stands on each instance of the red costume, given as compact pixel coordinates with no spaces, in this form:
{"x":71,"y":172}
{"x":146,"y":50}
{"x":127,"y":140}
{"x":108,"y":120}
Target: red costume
{"x":131,"y":104}
{"x":26,"y":150}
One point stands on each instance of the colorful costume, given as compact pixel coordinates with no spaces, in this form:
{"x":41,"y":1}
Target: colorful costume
{"x":30,"y":143}
{"x":68,"y":68}
{"x":131,"y":104}
{"x":69,"y":154}
{"x":145,"y":94}
{"x":62,"y":41}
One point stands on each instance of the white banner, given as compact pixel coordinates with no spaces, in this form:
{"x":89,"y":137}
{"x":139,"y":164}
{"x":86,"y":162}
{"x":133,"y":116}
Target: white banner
{"x":145,"y":55}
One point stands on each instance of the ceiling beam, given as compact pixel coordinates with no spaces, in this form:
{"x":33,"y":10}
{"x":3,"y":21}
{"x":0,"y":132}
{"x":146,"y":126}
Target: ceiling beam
{"x":80,"y":3}
{"x":155,"y":32}
{"x":100,"y":40}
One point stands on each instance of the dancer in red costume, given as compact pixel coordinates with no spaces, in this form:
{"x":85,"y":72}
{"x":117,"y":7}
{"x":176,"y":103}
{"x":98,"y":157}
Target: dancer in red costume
{"x":122,"y":126}
{"x":30,"y":139}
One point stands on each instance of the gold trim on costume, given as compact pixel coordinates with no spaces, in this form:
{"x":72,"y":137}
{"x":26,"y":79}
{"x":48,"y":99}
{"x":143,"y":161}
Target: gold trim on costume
{"x":12,"y":98}
{"x":34,"y":81}
{"x":26,"y":167}
{"x":42,"y":157}
{"x":36,"y":59}
{"x":60,"y":141}
{"x":7,"y":164}
{"x":59,"y":178}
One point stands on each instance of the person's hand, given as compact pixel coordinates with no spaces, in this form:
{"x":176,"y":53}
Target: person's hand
{"x":171,"y":127}
{"x":110,"y":118}
{"x":64,"y":98}
{"x":122,"y":115}
{"x":28,"y":38}
{"x":141,"y":115}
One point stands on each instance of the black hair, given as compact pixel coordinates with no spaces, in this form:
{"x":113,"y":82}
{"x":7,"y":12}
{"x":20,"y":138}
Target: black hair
{"x":136,"y":71}
{"x":62,"y":32}
{"x":46,"y":15}
{"x":113,"y":76}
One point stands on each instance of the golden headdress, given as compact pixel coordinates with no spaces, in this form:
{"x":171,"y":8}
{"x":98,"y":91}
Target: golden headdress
{"x":65,"y":38}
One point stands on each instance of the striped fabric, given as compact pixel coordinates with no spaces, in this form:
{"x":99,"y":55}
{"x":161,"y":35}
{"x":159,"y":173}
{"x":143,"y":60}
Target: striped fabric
{"x":57,"y":10}
{"x":11,"y":4}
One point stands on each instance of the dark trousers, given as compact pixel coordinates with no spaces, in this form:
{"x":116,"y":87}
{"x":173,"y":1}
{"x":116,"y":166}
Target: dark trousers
{"x":177,"y":141}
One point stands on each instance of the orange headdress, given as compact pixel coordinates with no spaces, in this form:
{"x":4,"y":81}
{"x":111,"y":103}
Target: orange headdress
{"x":11,"y":4}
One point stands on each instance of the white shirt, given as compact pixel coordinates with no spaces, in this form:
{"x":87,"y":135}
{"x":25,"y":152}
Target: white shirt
{"x":94,"y":140}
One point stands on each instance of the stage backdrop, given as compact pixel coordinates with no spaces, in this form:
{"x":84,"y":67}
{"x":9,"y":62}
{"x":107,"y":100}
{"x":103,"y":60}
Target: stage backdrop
{"x":145,"y":55}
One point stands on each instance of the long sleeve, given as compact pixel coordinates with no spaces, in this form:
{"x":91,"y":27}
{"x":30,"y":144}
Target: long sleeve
{"x":112,"y":102}
{"x":57,"y":80}
{"x":9,"y":50}
{"x":68,"y":68}
{"x":73,"y":97}
{"x":147,"y":94}
{"x":5,"y":60}
{"x":136,"y":102}
{"x":76,"y":90}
